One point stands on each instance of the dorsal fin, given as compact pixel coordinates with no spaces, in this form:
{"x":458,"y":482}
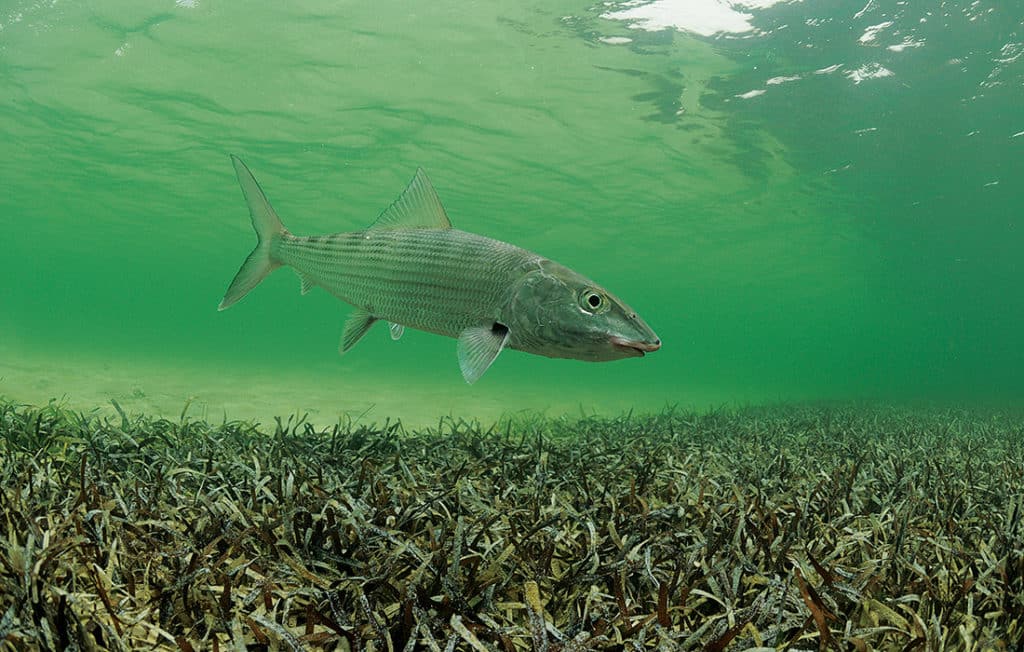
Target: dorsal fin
{"x":418,"y":207}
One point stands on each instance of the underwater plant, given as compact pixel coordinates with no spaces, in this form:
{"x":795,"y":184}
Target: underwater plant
{"x":813,"y":527}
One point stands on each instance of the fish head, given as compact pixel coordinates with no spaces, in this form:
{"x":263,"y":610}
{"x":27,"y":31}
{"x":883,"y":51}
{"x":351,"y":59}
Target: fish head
{"x":559,"y":313}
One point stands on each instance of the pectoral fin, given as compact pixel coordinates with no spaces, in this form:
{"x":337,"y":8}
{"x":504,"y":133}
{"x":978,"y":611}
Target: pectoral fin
{"x":478,"y":347}
{"x":355,"y":327}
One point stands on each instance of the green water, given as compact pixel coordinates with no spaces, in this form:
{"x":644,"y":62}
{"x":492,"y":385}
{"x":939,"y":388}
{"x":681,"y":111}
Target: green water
{"x":851,"y":232}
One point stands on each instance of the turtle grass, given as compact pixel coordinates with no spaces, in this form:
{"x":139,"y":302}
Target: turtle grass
{"x":815,"y":527}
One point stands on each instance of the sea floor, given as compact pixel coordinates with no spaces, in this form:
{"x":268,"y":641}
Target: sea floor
{"x":216,"y":391}
{"x":165,"y":388}
{"x":799,"y":527}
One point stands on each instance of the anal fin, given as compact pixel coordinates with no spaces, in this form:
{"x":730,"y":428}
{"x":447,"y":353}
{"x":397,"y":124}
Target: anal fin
{"x":355,"y":327}
{"x":307,"y":283}
{"x":396,"y":330}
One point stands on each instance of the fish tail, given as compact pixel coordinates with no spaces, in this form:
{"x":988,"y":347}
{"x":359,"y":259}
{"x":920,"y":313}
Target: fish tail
{"x":268,"y":228}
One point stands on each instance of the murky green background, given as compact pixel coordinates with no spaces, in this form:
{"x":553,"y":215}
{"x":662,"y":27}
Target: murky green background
{"x":827,"y":205}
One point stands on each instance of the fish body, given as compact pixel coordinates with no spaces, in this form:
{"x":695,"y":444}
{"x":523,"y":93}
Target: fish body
{"x":412,"y":269}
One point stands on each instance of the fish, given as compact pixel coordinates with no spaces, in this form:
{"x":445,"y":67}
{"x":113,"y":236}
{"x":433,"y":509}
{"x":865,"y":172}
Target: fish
{"x":411,"y":269}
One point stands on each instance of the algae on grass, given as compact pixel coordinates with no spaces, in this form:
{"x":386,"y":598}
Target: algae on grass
{"x":791,"y":527}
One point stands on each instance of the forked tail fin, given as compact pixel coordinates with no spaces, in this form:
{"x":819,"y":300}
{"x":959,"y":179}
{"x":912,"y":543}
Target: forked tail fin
{"x":267,"y":225}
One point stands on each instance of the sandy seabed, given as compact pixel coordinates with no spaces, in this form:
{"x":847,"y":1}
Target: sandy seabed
{"x":216,"y":391}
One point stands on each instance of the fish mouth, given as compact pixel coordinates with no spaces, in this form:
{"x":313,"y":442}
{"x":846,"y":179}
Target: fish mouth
{"x":635,"y":347}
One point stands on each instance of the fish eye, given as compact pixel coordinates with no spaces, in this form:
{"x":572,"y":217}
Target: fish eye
{"x":593,"y":301}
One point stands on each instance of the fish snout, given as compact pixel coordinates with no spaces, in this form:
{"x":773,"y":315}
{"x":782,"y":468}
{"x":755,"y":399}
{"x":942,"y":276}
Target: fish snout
{"x":636,"y":347}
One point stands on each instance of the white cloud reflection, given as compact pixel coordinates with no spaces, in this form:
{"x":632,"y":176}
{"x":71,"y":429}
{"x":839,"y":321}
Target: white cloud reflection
{"x":702,"y":17}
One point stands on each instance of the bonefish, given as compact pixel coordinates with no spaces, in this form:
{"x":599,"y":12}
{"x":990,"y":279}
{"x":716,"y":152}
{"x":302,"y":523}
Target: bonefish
{"x":411,"y":269}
